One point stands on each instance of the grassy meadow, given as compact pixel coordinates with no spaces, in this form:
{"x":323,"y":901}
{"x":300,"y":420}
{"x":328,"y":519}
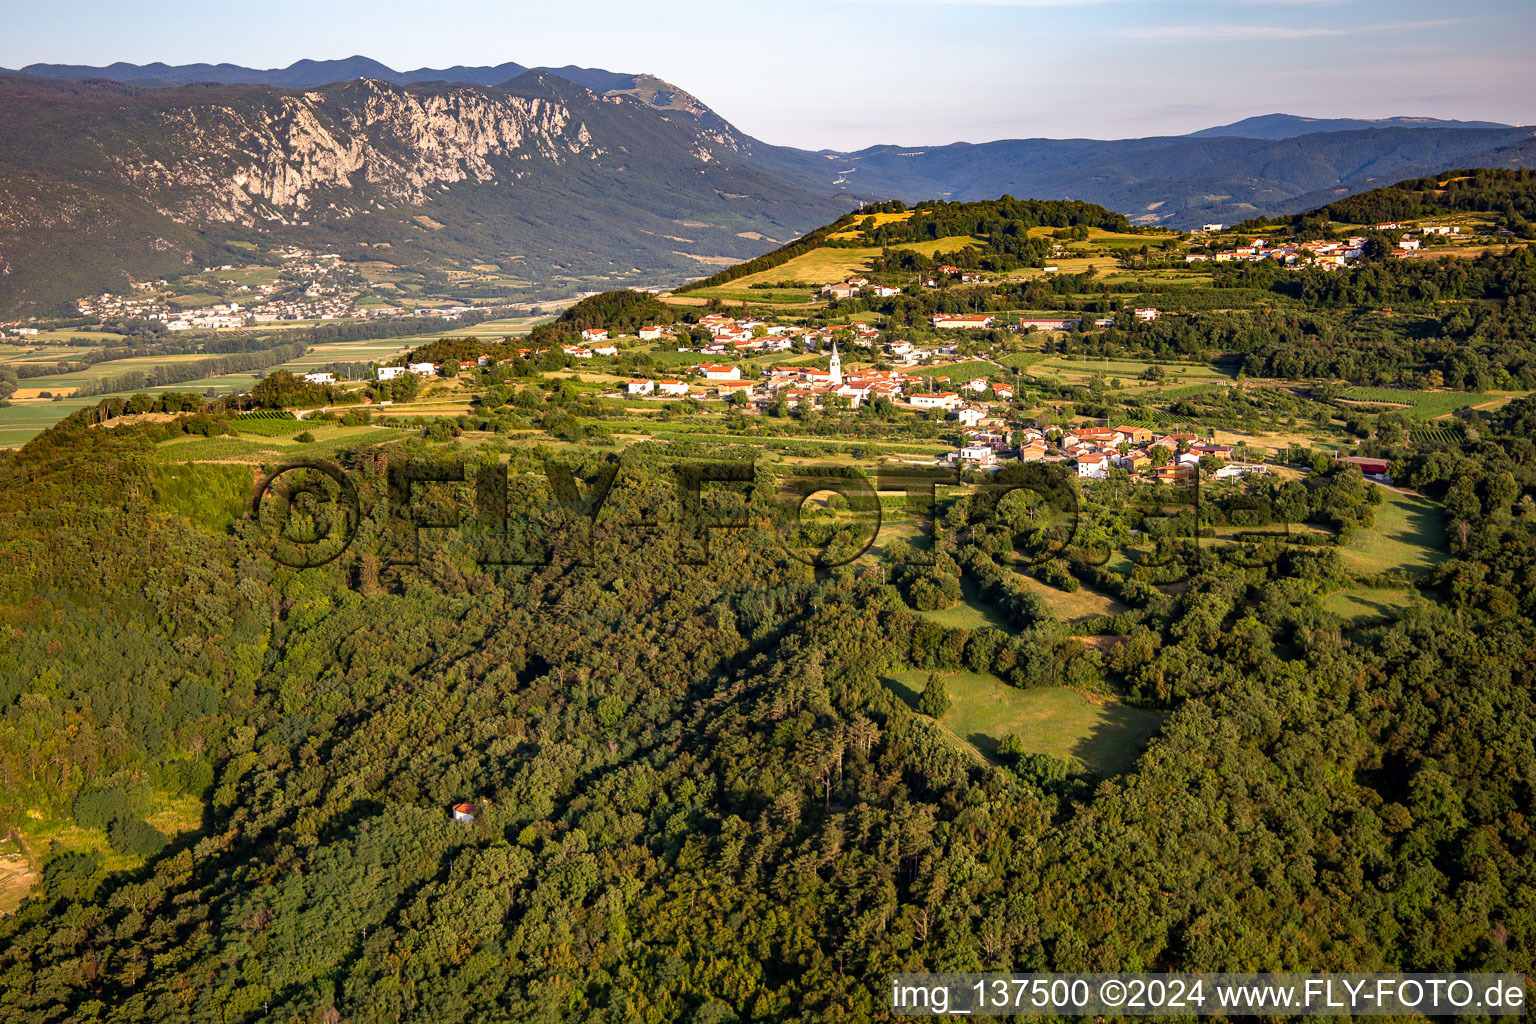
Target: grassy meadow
{"x":1103,"y":736}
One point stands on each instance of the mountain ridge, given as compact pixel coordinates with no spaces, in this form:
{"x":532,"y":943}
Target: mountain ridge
{"x":579,"y":185}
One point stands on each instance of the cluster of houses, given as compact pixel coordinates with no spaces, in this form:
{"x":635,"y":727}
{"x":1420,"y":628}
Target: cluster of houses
{"x":323,"y":298}
{"x":855,"y":287}
{"x":1095,"y":451}
{"x":1326,"y":253}
{"x":1322,"y":253}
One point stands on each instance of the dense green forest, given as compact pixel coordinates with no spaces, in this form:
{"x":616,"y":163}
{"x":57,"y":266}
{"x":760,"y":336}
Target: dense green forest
{"x":697,"y":799}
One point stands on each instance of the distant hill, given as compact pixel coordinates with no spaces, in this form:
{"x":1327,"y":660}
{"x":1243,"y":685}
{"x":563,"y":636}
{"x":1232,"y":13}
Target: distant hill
{"x":102,"y":183}
{"x":1175,"y":181}
{"x":306,"y":74}
{"x":1288,"y":126}
{"x":1507,"y":195}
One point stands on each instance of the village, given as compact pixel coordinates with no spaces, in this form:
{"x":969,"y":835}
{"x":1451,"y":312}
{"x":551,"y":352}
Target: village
{"x":974,"y":411}
{"x":309,"y":287}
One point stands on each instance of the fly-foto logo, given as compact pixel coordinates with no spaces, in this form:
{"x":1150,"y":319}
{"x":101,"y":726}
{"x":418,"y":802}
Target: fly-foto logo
{"x":311,"y":513}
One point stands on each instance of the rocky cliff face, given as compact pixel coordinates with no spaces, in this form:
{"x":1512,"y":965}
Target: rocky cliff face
{"x":319,"y":155}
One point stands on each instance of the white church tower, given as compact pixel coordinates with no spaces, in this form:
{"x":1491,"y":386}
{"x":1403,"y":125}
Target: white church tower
{"x":835,"y":367}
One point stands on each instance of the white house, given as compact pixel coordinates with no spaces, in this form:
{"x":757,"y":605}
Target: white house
{"x":318,"y":377}
{"x":969,"y":417}
{"x":940,"y":400}
{"x":464,"y":813}
{"x":673,"y":387}
{"x":1094,"y":466}
{"x":971,"y":321}
{"x":977,"y":385}
{"x":978,"y":453}
{"x":595,"y":334}
{"x":390,"y":372}
{"x":640,"y":387}
{"x":651,"y":333}
{"x":714,"y":371}
{"x":1147,"y":314}
{"x":606,"y":350}
{"x":422,"y":369}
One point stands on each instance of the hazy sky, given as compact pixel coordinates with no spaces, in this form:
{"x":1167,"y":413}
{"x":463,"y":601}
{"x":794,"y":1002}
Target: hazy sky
{"x":848,"y":73}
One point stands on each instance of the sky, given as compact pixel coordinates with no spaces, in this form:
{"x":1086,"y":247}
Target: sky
{"x":843,"y":74}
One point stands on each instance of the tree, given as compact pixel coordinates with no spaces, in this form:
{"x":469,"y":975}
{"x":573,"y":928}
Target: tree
{"x":934,"y":700}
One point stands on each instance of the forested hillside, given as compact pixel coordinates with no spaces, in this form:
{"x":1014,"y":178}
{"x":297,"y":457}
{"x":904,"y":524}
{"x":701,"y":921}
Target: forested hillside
{"x":696,"y":799}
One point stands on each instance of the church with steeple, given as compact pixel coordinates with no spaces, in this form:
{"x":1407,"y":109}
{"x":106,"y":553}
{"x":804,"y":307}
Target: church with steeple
{"x":835,"y":368}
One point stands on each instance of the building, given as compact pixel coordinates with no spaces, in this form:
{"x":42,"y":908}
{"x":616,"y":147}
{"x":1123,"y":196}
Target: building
{"x":973,"y":321}
{"x":320,"y":377}
{"x":1093,"y":466}
{"x":1047,"y":324}
{"x":1370,"y":467}
{"x":422,"y":369}
{"x":595,"y":334}
{"x":640,"y":387}
{"x":835,"y":368}
{"x":1147,"y":314}
{"x":390,"y":372}
{"x":1135,"y":435}
{"x":1003,"y":391}
{"x":940,"y":400}
{"x":651,"y":333}
{"x":715,"y":371}
{"x":969,"y":417}
{"x":673,"y":387}
{"x":464,"y":813}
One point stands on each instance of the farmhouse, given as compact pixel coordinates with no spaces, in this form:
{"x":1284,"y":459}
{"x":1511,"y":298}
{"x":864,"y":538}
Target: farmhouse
{"x":640,"y":387}
{"x":970,"y":321}
{"x":714,"y":371}
{"x":673,"y":387}
{"x":940,"y":400}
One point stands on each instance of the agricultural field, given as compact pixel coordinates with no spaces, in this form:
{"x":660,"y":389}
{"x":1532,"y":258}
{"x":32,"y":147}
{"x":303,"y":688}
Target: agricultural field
{"x":1419,"y":405}
{"x":1103,"y":736}
{"x":1129,"y":370}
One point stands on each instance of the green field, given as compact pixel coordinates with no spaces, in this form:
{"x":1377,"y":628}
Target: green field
{"x":1084,"y":604}
{"x":1105,"y":738}
{"x":970,"y":612}
{"x":1419,"y":405}
{"x":1409,"y":535}
{"x":1366,"y":606}
{"x":1126,"y":368}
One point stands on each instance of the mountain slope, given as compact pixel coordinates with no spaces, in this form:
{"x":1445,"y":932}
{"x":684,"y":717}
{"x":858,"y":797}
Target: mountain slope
{"x":1288,"y":126}
{"x":115,"y":181}
{"x":1179,"y":182}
